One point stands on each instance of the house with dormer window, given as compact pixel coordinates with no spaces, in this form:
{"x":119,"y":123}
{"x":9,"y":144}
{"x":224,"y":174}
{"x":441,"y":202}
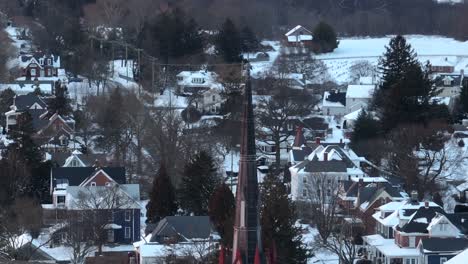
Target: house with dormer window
{"x":450,"y":85}
{"x":39,"y":65}
{"x":414,"y":232}
{"x":86,"y":189}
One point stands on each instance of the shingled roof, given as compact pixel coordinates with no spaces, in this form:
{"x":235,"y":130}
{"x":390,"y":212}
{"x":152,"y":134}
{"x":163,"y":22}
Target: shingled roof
{"x":438,"y":244}
{"x":76,"y":175}
{"x":420,"y":220}
{"x":187,"y":227}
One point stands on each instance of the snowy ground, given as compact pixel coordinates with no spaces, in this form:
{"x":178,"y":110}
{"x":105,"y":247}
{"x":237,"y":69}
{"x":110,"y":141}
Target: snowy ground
{"x":320,"y":256}
{"x":432,"y":48}
{"x":263,"y":67}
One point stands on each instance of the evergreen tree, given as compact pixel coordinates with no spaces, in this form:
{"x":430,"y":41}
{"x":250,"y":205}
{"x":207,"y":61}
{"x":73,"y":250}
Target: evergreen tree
{"x":162,"y":198}
{"x":463,"y":99}
{"x":228,"y":42}
{"x":398,"y":57}
{"x":198,"y":184}
{"x":365,"y":127}
{"x":23,"y":143}
{"x":6,"y":100}
{"x":222,"y":210}
{"x":325,"y":38}
{"x":60,"y":103}
{"x":278,"y":218}
{"x":250,"y":43}
{"x":405,"y":93}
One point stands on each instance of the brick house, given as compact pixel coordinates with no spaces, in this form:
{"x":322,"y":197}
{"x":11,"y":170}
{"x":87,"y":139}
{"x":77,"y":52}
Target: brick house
{"x":39,"y":65}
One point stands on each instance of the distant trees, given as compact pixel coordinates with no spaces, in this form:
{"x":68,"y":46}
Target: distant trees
{"x":198,"y":184}
{"x":249,"y":41}
{"x":229,"y":43}
{"x":280,"y":233}
{"x":6,"y":100}
{"x":325,"y":39}
{"x":171,"y":35}
{"x":162,"y":201}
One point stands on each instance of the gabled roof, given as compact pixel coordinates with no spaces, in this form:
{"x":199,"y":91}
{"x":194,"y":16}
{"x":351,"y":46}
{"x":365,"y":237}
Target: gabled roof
{"x":421,"y":220}
{"x":460,"y":220}
{"x":437,"y":244}
{"x":456,"y":80}
{"x":188,"y":227}
{"x":334,"y":99}
{"x":76,"y":175}
{"x":459,"y":259}
{"x":296,"y":28}
{"x":364,"y":91}
{"x":24,"y":102}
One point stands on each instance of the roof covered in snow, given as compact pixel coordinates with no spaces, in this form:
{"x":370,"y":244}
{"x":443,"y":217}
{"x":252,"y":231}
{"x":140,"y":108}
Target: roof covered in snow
{"x":364,"y":91}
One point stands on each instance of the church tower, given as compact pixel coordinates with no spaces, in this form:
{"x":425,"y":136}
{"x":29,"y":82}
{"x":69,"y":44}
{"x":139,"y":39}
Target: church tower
{"x":247,"y":246}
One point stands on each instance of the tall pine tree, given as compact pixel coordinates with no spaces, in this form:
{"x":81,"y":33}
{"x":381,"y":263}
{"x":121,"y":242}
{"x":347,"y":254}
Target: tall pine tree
{"x":278,"y":218}
{"x":221,"y":210}
{"x":60,"y":103}
{"x":250,"y":43}
{"x":406,"y":90}
{"x":198,"y":184}
{"x":162,"y":201}
{"x":228,"y":42}
{"x":463,"y":100}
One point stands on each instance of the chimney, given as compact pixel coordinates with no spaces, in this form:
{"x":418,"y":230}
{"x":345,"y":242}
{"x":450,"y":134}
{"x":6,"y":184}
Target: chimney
{"x":325,"y":156}
{"x":361,"y":182}
{"x":317,"y":140}
{"x":341,"y":141}
{"x":414,"y":196}
{"x":426,"y":204}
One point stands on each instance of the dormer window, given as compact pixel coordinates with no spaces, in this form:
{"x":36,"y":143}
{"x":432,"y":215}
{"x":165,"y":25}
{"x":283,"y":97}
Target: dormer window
{"x":60,"y":199}
{"x":41,"y":61}
{"x":447,"y":82}
{"x":49,"y":61}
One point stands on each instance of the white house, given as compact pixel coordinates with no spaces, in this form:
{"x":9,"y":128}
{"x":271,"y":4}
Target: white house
{"x":358,"y":96}
{"x":205,"y":86}
{"x":450,"y":85}
{"x":333,"y":103}
{"x":298,"y":35}
{"x":333,"y":161}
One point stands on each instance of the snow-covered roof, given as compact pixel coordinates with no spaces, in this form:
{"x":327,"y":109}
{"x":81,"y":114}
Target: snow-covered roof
{"x":360,"y":91}
{"x":198,"y":78}
{"x":369,"y":179}
{"x":459,"y":259}
{"x":443,"y":61}
{"x":389,"y":248}
{"x":353,"y":115}
{"x":296,"y":28}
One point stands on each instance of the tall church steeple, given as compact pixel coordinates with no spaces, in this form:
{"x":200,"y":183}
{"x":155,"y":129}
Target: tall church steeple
{"x":247,"y":236}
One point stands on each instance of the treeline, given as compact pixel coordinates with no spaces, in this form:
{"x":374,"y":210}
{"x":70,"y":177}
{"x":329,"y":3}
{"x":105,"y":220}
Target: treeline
{"x":272,"y":17}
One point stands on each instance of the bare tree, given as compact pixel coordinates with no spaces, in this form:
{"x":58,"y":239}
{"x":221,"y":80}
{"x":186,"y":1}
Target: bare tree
{"x":323,"y":195}
{"x":98,"y":204}
{"x":362,"y":69}
{"x":274,"y":113}
{"x":340,"y":242}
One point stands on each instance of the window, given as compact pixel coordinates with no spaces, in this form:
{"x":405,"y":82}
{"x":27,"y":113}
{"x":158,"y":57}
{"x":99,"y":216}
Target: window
{"x":304,"y":179}
{"x":412,"y":241}
{"x":110,"y":219}
{"x":128,"y":216}
{"x":443,"y":260}
{"x":304,"y":193}
{"x":413,"y":261}
{"x":93,"y":183}
{"x":127,"y":232}
{"x":213,"y":98}
{"x":41,"y":61}
{"x":49,"y":61}
{"x":108,"y":184}
{"x":443,"y":226}
{"x":407,"y":261}
{"x":61,"y":199}
{"x":447,"y":82}
{"x":328,"y":192}
{"x":33,"y":72}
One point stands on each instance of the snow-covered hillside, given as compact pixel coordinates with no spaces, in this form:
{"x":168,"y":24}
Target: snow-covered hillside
{"x":354,"y":50}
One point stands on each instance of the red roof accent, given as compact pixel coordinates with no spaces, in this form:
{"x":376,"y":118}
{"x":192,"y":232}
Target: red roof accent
{"x":238,"y":259}
{"x":222,"y":254}
{"x":257,"y":257}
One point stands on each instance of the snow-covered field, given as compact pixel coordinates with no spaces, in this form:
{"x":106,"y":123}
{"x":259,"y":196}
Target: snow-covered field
{"x":429,"y":48}
{"x":436,"y":49}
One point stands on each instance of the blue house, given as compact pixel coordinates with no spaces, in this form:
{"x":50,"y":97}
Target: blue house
{"x":437,"y":250}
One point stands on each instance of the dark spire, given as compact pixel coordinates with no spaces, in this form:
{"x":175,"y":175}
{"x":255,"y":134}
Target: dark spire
{"x":246,"y":226}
